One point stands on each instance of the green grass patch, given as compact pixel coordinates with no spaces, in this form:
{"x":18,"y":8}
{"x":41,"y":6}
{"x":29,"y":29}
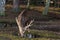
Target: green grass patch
{"x":44,"y":35}
{"x":47,"y":34}
{"x":12,"y":37}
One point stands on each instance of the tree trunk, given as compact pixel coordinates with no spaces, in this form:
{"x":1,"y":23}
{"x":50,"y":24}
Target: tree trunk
{"x":28,"y":3}
{"x":45,"y":11}
{"x":16,"y":5}
{"x":2,"y":7}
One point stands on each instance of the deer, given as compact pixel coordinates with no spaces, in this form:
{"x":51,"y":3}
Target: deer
{"x":21,"y":26}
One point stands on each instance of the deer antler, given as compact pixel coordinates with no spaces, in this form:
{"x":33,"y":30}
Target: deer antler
{"x":20,"y":25}
{"x":30,"y":24}
{"x":20,"y":15}
{"x":18,"y":20}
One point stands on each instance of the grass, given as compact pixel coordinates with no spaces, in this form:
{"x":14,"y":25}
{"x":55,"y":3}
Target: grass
{"x":44,"y":35}
{"x":47,"y":34}
{"x":8,"y":20}
{"x":9,"y":36}
{"x":12,"y":37}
